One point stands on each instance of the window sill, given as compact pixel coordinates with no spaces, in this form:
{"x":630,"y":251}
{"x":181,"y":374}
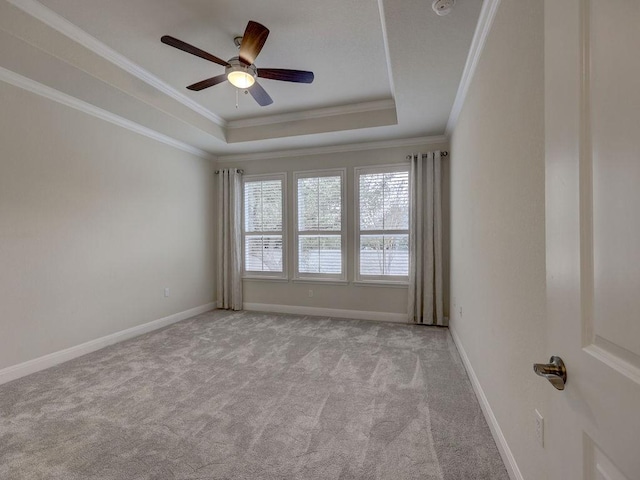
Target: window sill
{"x":268,"y":279}
{"x":323,"y":281}
{"x":381,"y":283}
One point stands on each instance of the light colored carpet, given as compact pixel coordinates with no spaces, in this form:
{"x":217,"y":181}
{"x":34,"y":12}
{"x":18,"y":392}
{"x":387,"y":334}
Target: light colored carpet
{"x":245,"y":395}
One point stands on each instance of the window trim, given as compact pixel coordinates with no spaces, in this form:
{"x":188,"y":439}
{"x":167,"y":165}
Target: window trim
{"x":256,"y":275}
{"x":397,"y":280}
{"x":342,"y":173}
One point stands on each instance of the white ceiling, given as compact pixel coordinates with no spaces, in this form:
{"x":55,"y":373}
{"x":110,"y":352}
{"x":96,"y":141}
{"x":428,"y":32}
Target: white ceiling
{"x":305,"y":35}
{"x":384,"y":70}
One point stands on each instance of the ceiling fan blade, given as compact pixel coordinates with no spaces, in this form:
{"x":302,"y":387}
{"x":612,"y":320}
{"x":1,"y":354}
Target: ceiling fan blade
{"x":260,"y":95}
{"x":185,"y":47}
{"x":209,"y":82}
{"x":286,"y":75}
{"x":252,"y":42}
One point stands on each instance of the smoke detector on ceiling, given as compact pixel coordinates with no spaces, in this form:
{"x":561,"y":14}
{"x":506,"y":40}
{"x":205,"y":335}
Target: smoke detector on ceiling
{"x":443,"y":7}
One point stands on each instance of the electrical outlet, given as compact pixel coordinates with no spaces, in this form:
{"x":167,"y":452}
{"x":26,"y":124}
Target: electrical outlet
{"x":310,"y":293}
{"x":166,"y":292}
{"x":460,"y":311}
{"x":539,"y":428}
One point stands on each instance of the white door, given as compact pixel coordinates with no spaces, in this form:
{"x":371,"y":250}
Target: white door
{"x":592,"y":102}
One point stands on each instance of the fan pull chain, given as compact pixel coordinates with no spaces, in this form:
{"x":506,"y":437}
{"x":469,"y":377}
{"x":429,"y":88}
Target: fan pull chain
{"x":236,"y":98}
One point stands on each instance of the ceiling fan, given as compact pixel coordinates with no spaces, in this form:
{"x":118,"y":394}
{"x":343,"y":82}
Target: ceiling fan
{"x":241,"y":71}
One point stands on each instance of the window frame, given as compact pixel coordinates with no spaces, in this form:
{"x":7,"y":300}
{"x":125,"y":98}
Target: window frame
{"x":262,"y":275}
{"x":400,"y":280}
{"x":321,"y":277}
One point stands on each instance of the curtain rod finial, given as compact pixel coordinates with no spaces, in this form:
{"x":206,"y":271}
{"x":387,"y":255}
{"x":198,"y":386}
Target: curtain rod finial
{"x":443,"y":153}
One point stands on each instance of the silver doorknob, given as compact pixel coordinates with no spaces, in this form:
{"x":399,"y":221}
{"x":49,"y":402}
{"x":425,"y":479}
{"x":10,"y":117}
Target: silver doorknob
{"x":554,"y":371}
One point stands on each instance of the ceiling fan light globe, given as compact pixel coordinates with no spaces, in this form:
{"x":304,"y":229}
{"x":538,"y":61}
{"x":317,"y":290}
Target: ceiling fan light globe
{"x":240,"y":79}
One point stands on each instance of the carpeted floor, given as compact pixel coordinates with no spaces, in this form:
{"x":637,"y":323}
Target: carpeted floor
{"x":245,"y":395}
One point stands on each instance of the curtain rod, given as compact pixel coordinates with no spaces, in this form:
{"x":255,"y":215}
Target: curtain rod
{"x":442,"y":154}
{"x":409,"y":157}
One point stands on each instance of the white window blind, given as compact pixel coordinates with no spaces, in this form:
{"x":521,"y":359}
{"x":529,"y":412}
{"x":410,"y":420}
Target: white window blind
{"x":383,"y":223}
{"x":264,"y":226}
{"x":320,"y":231}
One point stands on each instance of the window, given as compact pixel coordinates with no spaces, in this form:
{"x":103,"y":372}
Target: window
{"x":263,"y":232}
{"x":320,"y":235}
{"x":382,"y":224}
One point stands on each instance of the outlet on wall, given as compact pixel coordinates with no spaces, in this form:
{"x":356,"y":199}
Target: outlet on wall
{"x":310,"y":293}
{"x":460,"y":312}
{"x":539,"y":428}
{"x":166,"y":292}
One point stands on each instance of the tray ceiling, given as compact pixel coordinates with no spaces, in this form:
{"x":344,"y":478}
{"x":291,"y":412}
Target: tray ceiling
{"x":384,"y":69}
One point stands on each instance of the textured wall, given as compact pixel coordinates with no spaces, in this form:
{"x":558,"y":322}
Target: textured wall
{"x":350,"y":296}
{"x":497,"y":226}
{"x":95,"y":221}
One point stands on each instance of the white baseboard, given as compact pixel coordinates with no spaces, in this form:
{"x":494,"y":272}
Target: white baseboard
{"x":505,"y":452}
{"x":31,"y":366}
{"x":327,"y":312}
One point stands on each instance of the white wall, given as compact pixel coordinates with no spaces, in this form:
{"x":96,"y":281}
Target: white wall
{"x":342,"y":297}
{"x":497,"y":227}
{"x":95,"y":221}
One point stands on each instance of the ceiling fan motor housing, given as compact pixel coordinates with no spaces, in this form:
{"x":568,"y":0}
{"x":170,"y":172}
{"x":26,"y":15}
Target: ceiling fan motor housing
{"x":235,"y":65}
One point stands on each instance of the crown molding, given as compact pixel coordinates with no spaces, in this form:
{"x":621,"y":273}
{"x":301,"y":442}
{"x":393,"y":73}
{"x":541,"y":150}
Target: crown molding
{"x":485,"y":22}
{"x":62,"y":25}
{"x":32,"y":86}
{"x":314,"y":113}
{"x":387,"y":53}
{"x":352,"y":147}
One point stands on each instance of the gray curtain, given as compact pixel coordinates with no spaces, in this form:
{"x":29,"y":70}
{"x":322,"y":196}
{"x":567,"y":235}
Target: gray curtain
{"x":229,"y":281}
{"x":425,"y":243}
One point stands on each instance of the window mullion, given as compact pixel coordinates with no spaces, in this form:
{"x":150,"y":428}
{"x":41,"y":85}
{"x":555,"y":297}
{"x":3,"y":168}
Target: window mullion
{"x":265,"y":233}
{"x":319,"y":232}
{"x":384,"y":232}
